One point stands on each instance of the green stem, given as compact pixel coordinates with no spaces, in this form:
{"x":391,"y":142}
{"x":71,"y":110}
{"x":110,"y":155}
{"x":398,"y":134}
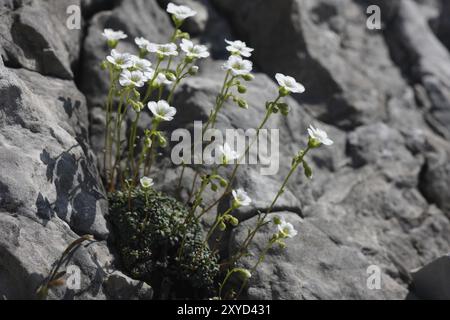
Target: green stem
{"x":219,"y":102}
{"x":217,"y":106}
{"x":117,"y":134}
{"x":191,"y":192}
{"x":108,"y":108}
{"x":131,"y":147}
{"x":181,"y":175}
{"x":216,"y":224}
{"x":269,"y":112}
{"x":150,"y":83}
{"x":261,"y":258}
{"x":293,"y":169}
{"x":151,"y":153}
{"x":262,"y":219}
{"x":176,"y":83}
{"x":222,"y":285}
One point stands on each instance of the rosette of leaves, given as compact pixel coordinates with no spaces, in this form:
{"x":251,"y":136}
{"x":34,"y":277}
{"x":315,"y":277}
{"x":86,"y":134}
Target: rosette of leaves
{"x":149,"y":230}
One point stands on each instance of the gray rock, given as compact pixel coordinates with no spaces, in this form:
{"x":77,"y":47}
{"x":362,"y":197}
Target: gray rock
{"x":435,"y":183}
{"x":444,"y":24}
{"x":44,"y":141}
{"x":426,"y":59}
{"x":293,"y":273}
{"x":50,"y":192}
{"x":91,"y":7}
{"x":35,"y":36}
{"x":120,"y":287}
{"x":318,"y":42}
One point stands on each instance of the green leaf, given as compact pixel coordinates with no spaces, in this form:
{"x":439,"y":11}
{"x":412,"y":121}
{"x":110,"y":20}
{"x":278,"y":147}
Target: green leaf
{"x":307,"y":170}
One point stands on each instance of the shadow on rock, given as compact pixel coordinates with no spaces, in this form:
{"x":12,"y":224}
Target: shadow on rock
{"x":77,"y":190}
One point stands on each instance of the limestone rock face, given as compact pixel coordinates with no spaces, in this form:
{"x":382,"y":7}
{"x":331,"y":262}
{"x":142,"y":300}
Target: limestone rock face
{"x":378,"y":197}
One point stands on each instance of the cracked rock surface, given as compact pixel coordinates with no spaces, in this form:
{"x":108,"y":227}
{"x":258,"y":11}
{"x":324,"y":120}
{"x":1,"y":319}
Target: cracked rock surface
{"x":379,"y":196}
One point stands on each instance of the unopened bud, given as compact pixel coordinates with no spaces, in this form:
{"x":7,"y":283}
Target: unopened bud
{"x":222,"y":226}
{"x":233,"y":221}
{"x":277,"y":220}
{"x":242,"y":104}
{"x":193,"y":70}
{"x":104,"y":65}
{"x":243,"y":273}
{"x":242,"y":89}
{"x":171,"y":76}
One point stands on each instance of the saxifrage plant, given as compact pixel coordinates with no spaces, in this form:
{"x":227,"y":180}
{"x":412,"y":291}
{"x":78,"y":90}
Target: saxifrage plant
{"x":161,"y":240}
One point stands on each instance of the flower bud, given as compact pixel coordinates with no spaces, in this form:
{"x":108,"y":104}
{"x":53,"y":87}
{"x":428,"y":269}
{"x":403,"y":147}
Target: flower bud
{"x":233,"y":221}
{"x":162,"y":141}
{"x":242,"y":104}
{"x":277,"y":220}
{"x":248,"y":77}
{"x":193,"y":70}
{"x":171,"y":76}
{"x":243,"y":273}
{"x":307,"y":169}
{"x":222,"y":226}
{"x":223,"y":182}
{"x":214,"y":187}
{"x":281,"y":244}
{"x":284,"y":108}
{"x":242,"y":89}
{"x":137,"y":106}
{"x":104,"y":65}
{"x":148,"y":142}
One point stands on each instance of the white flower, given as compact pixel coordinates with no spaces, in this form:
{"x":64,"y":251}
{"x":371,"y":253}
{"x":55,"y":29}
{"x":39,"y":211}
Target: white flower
{"x":239,"y":47}
{"x":180,"y":12}
{"x":319,"y":135}
{"x":146,"y":182}
{"x":238,"y":66}
{"x":161,"y":79}
{"x":226,"y":154}
{"x":121,"y":60}
{"x":241,"y":198}
{"x":162,"y":110}
{"x":132,"y":78}
{"x":169,"y":49}
{"x":287,"y":229}
{"x":112,"y":35}
{"x":142,"y":43}
{"x":194,"y":50}
{"x":289,"y":83}
{"x":142,"y":65}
